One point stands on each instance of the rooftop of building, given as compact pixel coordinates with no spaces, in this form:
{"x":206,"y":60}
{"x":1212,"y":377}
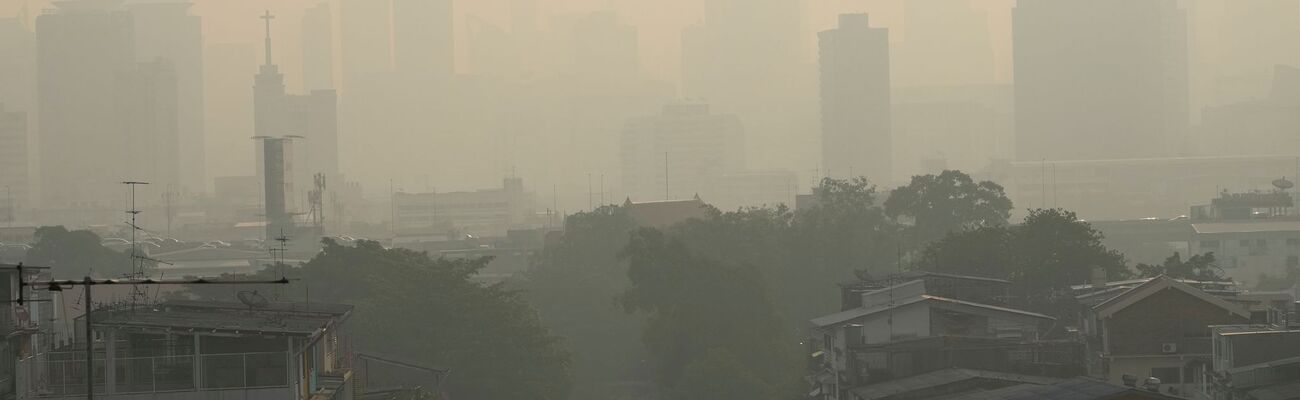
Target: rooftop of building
{"x":941,"y":302}
{"x":276,"y":318}
{"x":1154,"y":285}
{"x":666,"y":212}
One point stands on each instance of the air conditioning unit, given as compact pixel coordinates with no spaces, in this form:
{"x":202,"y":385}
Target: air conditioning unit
{"x":1169,"y":348}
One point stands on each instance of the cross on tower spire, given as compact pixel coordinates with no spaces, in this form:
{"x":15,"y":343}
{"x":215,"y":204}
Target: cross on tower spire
{"x":268,"y":17}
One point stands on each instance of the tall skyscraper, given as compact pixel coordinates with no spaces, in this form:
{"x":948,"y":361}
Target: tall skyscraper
{"x":684,"y":151}
{"x":17,"y":67}
{"x":149,"y":124}
{"x":1257,"y":35}
{"x":855,"y":100}
{"x":167,"y":31}
{"x":423,"y":41}
{"x":318,"y":47}
{"x":1100,"y":79}
{"x":82,"y":50}
{"x":604,"y":48}
{"x":364,"y":35}
{"x":13,"y":164}
{"x":748,"y":58}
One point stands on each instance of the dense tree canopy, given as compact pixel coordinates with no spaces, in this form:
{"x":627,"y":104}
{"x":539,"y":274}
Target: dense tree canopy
{"x":74,"y":254}
{"x":432,"y":311}
{"x":1049,"y":251}
{"x":574,"y":284}
{"x":934,"y":205}
{"x":708,"y":319}
{"x":1201,"y":267}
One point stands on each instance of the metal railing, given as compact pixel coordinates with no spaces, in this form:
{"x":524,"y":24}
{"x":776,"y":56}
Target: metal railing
{"x":53,"y":375}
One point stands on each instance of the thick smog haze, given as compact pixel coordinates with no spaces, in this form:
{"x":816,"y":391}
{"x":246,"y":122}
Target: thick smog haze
{"x":650,"y":200}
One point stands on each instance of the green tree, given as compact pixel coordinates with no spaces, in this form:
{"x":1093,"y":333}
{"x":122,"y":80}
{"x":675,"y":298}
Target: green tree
{"x":433,"y":311}
{"x":935,"y":205}
{"x":574,"y":284}
{"x":985,"y":251}
{"x":1054,"y":250}
{"x":1201,"y":267}
{"x":721,"y":375}
{"x":1043,"y":255}
{"x":843,"y":233}
{"x":698,"y":306}
{"x":74,"y":254}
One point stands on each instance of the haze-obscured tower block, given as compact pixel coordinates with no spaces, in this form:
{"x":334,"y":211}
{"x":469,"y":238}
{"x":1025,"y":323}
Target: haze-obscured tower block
{"x":318,"y":48}
{"x":423,"y":41}
{"x":855,"y":100}
{"x":82,"y":49}
{"x":167,"y":31}
{"x":364,"y":36}
{"x":604,"y":48}
{"x":686,"y":148}
{"x":149,"y":122}
{"x":1100,"y":79}
{"x":13,"y":163}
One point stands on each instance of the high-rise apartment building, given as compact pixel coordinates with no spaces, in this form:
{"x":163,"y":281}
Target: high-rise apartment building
{"x":855,"y":100}
{"x":1100,"y":79}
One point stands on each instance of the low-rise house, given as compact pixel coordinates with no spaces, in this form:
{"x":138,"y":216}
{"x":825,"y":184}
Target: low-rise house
{"x":1159,"y":329}
{"x":1260,"y":362}
{"x":903,"y":330}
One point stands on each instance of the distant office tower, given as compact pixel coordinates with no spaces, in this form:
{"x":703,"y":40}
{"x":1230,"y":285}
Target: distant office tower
{"x":748,"y":58}
{"x":1100,"y":79}
{"x":604,"y":48}
{"x":277,"y":176}
{"x":743,"y":48}
{"x":365,"y":40}
{"x":423,"y":39}
{"x":17,"y":67}
{"x":228,"y":114}
{"x":318,"y":48}
{"x":149,"y":122}
{"x":82,"y":50}
{"x":1257,"y":35}
{"x":13,"y":163}
{"x":684,"y":151}
{"x":855,"y":100}
{"x":167,"y":31}
{"x":945,"y":43}
{"x":310,"y":118}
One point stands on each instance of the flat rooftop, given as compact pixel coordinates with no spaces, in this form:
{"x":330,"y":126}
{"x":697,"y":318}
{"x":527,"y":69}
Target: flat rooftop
{"x":278,"y":318}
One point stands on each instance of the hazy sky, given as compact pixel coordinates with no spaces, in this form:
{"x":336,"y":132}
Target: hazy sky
{"x":659,"y":22}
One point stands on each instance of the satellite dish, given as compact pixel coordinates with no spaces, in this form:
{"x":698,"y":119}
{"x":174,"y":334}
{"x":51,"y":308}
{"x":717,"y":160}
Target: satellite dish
{"x":252,"y":299}
{"x":1283,"y":184}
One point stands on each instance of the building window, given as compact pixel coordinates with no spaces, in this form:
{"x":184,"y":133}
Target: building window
{"x":1293,"y":242}
{"x":1209,"y":244}
{"x":1167,"y":375}
{"x":1244,"y":243}
{"x":1292,"y":261}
